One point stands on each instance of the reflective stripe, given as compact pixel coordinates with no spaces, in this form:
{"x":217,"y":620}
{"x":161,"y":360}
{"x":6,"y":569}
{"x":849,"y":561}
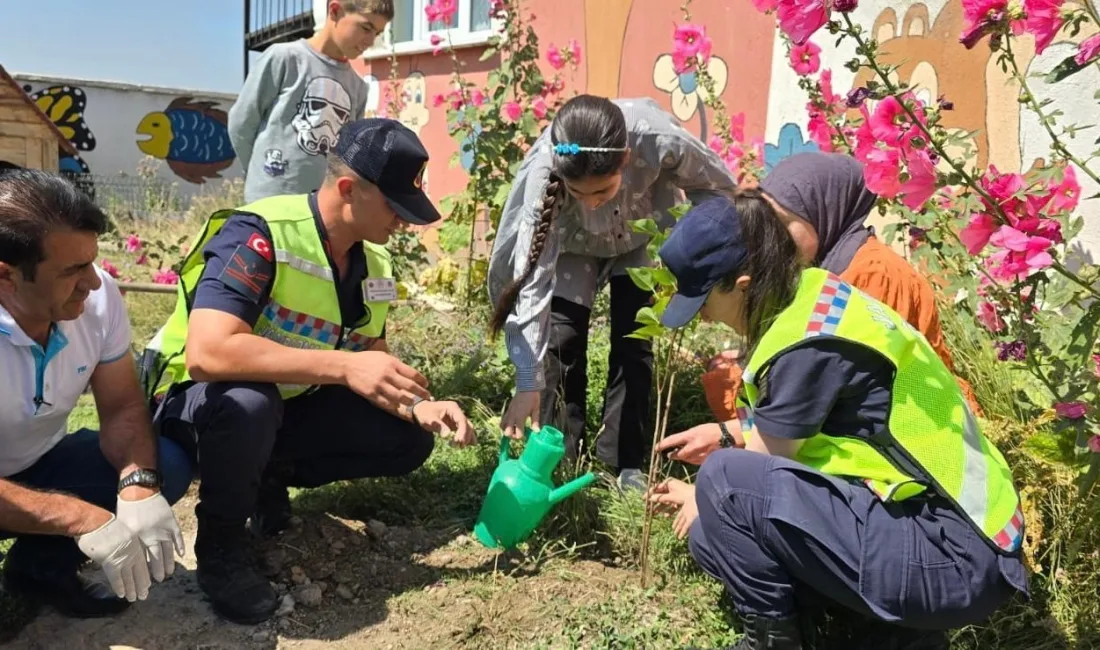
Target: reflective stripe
{"x":1012,"y":534}
{"x":744,"y":416}
{"x":356,"y":342}
{"x":305,"y":266}
{"x":829,"y":308}
{"x":973,"y":493}
{"x":295,"y":322}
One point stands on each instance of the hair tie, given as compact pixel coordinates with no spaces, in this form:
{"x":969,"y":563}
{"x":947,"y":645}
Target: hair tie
{"x":572,"y":149}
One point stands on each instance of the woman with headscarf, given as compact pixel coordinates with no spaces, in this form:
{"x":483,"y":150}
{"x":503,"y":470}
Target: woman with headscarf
{"x":824,"y":202}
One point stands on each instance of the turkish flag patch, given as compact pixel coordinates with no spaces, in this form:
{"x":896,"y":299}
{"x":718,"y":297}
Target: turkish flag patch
{"x":257,"y":243}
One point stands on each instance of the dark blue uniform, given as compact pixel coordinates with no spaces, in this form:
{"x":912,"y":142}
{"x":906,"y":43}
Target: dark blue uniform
{"x":770,"y":527}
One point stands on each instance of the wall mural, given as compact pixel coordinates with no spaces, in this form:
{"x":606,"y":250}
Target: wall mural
{"x":374,"y":95}
{"x":687,"y":94}
{"x":192,"y":137}
{"x":414,"y":105}
{"x":789,"y":143}
{"x":65,"y":105}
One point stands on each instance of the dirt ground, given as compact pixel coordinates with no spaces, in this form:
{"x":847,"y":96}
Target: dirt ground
{"x":350,"y":584}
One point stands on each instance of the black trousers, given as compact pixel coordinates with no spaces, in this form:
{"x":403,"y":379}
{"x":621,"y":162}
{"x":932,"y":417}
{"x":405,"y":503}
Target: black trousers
{"x":236,"y":431}
{"x":628,"y":393}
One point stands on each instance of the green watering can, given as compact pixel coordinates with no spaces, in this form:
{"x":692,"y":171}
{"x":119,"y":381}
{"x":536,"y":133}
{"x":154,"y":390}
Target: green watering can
{"x":522,"y":491}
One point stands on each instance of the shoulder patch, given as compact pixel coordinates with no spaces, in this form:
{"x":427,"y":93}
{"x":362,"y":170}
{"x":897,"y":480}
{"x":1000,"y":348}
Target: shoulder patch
{"x":258,"y":243}
{"x":247,"y":273}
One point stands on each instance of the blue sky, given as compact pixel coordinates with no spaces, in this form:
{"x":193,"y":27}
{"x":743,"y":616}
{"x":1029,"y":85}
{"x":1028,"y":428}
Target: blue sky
{"x":180,"y":43}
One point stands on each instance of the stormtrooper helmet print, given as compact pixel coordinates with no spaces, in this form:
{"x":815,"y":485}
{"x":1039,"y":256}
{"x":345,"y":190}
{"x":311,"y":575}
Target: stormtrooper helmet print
{"x":324,"y":109}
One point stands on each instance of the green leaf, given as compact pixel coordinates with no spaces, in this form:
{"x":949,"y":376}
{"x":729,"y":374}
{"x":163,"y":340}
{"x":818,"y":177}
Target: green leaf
{"x":647,"y":316}
{"x":1066,"y":68}
{"x":1083,"y":337}
{"x":663,"y":277}
{"x":1051,"y":447}
{"x":648,"y":226}
{"x":680,"y":209}
{"x":489,"y":53}
{"x":454,"y":236}
{"x":647,"y":333}
{"x":642,"y":277}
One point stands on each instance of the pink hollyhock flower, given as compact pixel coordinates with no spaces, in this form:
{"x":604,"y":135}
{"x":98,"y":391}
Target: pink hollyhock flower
{"x":845,"y":6}
{"x":141,"y":260}
{"x":438,"y":100}
{"x":511,"y":112}
{"x":437,"y":44}
{"x":1071,"y":410}
{"x":575,"y":51}
{"x":477,"y":98}
{"x":979,"y":18}
{"x":166,"y":276}
{"x":989,"y":318}
{"x":457,"y":101}
{"x":1021,"y":255}
{"x":820,"y":131}
{"x":133,"y":244}
{"x":922,"y":180}
{"x":799,"y":19}
{"x":805,"y":59}
{"x":109,"y":268}
{"x":976,"y":234}
{"x":554,"y":57}
{"x":882,"y":171}
{"x":1044,"y":20}
{"x":441,"y":11}
{"x":737,"y":127}
{"x":892,"y":125}
{"x":764,"y":5}
{"x":716,"y":144}
{"x":690,"y":42}
{"x":1094,"y":444}
{"x":538,"y":107}
{"x":1064,"y":195}
{"x":1088,"y":50}
{"x":825,"y":83}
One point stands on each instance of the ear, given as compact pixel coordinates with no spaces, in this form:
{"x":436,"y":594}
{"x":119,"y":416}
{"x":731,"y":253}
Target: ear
{"x":346,"y":187}
{"x":335,"y":11}
{"x":743,"y":283}
{"x":7,"y":277}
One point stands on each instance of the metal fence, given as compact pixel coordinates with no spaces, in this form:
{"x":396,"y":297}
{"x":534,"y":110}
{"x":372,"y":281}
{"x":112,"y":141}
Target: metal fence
{"x":125,"y":196}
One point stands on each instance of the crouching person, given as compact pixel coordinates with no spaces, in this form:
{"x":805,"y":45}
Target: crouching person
{"x":274,"y":369}
{"x":68,"y":498}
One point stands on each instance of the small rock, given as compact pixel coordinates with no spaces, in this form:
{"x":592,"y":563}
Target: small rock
{"x":261,"y":636}
{"x":344,"y":592}
{"x":273,"y":561}
{"x":283,"y":624}
{"x":355,"y":602}
{"x":296,"y":521}
{"x":279,"y":588}
{"x":298,"y":575}
{"x":341,"y":578}
{"x":286,"y":606}
{"x":322,"y":585}
{"x":324,"y":572}
{"x":376,"y":527}
{"x":462,"y":540}
{"x":308,"y":595}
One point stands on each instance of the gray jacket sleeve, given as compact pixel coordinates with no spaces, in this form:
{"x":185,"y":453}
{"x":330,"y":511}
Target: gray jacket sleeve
{"x":526,"y":330}
{"x":695,"y":169}
{"x":257,"y":96}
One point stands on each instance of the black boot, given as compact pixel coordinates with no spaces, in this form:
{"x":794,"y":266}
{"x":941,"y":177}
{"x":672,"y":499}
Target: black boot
{"x":272,"y":515}
{"x":878,"y":635}
{"x":228,"y":573}
{"x":38,"y":575}
{"x":770,"y":634}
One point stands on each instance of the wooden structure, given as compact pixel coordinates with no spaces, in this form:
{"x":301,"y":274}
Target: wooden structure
{"x":27,"y":137}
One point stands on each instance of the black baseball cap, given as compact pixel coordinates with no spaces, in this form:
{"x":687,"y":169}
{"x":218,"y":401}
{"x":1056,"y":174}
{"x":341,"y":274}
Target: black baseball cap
{"x":704,"y":247}
{"x":388,"y":154}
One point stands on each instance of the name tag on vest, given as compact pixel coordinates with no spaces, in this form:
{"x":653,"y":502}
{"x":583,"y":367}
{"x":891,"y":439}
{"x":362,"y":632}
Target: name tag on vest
{"x":379,"y":290}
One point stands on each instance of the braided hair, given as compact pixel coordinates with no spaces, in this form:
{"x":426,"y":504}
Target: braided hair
{"x":585,"y":122}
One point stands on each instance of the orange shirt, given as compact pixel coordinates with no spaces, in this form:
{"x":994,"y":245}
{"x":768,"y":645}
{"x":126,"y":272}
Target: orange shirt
{"x":882,"y":274}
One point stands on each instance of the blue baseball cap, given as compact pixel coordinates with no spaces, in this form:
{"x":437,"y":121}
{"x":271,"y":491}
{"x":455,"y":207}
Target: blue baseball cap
{"x":704,"y":247}
{"x":388,"y":154}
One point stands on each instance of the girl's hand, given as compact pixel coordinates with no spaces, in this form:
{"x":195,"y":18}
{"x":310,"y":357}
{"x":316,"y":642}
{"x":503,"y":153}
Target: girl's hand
{"x":672,"y":494}
{"x":523,"y":406}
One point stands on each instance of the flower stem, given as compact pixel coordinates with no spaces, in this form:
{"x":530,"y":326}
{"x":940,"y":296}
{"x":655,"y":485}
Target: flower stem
{"x":1072,"y":277}
{"x":1044,"y":119}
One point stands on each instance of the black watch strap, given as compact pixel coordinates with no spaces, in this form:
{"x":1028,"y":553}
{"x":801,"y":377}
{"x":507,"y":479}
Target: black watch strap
{"x":726,"y":440}
{"x":149,"y":478}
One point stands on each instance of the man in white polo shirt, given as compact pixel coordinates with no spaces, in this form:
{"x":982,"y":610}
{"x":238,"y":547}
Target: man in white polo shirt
{"x":67,"y":498}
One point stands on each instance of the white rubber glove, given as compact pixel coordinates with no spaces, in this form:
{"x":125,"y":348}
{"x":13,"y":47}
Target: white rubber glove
{"x":155,"y":526}
{"x":115,"y":548}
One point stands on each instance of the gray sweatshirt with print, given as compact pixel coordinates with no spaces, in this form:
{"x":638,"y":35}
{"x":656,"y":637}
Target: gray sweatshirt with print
{"x":665,"y":159}
{"x":287,"y":115}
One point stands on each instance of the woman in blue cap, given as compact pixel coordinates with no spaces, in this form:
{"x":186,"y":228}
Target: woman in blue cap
{"x":865,"y":479}
{"x":564,"y":234}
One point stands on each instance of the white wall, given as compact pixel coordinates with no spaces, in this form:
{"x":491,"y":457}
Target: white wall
{"x":115,"y":126}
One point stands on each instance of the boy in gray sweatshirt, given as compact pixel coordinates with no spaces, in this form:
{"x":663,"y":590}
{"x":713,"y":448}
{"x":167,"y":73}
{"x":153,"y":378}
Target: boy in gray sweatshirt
{"x":297,"y":98}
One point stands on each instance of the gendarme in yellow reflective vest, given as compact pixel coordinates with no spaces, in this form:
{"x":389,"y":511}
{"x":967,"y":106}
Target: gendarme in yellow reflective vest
{"x":932,"y":438}
{"x":303,"y":310}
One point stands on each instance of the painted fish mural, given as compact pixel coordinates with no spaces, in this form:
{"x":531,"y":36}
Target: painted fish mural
{"x":191,"y":136}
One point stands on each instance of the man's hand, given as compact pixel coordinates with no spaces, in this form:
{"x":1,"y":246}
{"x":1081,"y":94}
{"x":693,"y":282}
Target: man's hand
{"x":673,"y":493}
{"x":723,"y":359}
{"x":523,"y":406}
{"x":151,"y":520}
{"x":384,"y":380}
{"x":447,"y":420}
{"x":114,"y":547}
{"x":692,"y":446}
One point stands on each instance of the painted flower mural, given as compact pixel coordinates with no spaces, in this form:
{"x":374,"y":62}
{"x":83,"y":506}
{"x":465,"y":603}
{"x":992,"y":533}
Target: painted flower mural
{"x":688,"y":95}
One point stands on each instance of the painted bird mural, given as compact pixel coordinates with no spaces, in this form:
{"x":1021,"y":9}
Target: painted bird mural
{"x":191,"y":136}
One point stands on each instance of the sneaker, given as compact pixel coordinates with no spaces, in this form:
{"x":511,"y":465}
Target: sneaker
{"x":632,"y":480}
{"x":69,"y":592}
{"x":273,"y":511}
{"x":229,"y":576}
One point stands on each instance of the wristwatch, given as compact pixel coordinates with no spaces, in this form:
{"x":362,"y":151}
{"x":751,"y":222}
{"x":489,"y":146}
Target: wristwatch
{"x":149,"y":478}
{"x":726,"y":441}
{"x":410,"y":407}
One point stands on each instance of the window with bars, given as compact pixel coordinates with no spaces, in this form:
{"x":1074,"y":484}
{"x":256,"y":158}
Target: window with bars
{"x":411,"y":31}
